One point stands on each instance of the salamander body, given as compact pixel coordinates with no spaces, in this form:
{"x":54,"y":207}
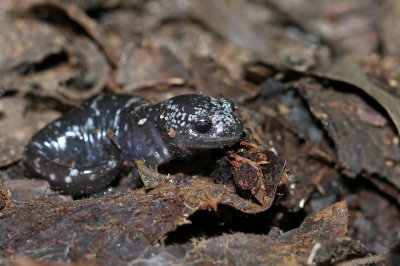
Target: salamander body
{"x":83,"y":151}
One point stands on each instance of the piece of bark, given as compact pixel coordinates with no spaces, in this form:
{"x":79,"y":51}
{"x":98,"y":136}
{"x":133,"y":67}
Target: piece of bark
{"x":95,"y":225}
{"x":116,"y":242}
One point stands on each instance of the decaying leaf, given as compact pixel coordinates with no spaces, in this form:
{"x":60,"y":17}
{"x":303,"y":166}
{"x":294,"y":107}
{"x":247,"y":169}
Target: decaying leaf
{"x":347,"y":70}
{"x":47,"y":60}
{"x":214,"y":80}
{"x":149,"y":66}
{"x":389,"y":32}
{"x":258,"y":170}
{"x":75,"y":14}
{"x":340,"y":23}
{"x":150,"y":177}
{"x":18,"y":122}
{"x":69,"y":82}
{"x":19,"y":36}
{"x":361,"y":144}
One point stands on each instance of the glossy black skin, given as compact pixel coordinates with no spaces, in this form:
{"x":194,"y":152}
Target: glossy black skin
{"x":82,"y":152}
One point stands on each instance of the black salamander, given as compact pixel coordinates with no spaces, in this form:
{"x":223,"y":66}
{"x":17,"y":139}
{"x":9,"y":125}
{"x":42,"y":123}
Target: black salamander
{"x":82,"y":152}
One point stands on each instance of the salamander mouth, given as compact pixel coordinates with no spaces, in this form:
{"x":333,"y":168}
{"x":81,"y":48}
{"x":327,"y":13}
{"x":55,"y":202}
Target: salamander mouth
{"x":215,"y":143}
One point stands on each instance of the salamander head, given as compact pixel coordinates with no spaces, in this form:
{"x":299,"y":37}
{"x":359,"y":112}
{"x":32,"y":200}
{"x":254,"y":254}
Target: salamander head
{"x":197,"y":122}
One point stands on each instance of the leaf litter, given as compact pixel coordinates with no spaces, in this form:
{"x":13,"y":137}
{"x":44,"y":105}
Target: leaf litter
{"x":319,"y":152}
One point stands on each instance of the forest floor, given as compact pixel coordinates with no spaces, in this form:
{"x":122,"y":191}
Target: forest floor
{"x":315,"y":179}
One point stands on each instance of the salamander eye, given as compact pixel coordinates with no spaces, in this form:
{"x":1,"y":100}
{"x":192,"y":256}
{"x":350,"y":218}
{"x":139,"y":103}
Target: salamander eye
{"x":202,"y":125}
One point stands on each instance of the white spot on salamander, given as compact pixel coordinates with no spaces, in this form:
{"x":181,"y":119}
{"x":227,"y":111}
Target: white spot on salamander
{"x":62,"y":143}
{"x":301,"y":203}
{"x":220,"y":127}
{"x":91,"y":139}
{"x":37,"y":164}
{"x":68,"y":179}
{"x":166,"y":152}
{"x":73,"y":172}
{"x":89,"y":124}
{"x":52,"y":177}
{"x":111,"y":164}
{"x":85,"y":137}
{"x":48,"y":145}
{"x":37,"y":144}
{"x":133,"y":100}
{"x":94,"y":106}
{"x":142,"y":121}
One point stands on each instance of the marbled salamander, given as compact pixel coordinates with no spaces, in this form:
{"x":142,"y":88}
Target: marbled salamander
{"x":78,"y":156}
